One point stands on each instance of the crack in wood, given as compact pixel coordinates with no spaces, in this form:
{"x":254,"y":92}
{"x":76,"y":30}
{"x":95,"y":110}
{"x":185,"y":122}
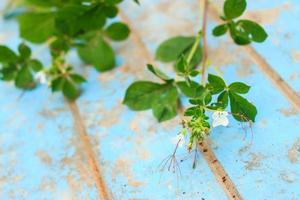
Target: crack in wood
{"x":219,"y":172}
{"x":103,"y":192}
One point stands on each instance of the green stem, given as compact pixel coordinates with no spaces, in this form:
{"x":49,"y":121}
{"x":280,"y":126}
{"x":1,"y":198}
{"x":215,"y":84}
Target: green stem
{"x":194,"y":48}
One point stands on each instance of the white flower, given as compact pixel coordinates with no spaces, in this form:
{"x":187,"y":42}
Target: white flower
{"x":220,"y":118}
{"x":41,"y":77}
{"x":179,"y":139}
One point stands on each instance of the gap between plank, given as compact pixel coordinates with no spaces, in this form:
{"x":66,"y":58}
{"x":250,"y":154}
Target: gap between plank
{"x":219,"y":172}
{"x":265,"y":67}
{"x":87,"y":147}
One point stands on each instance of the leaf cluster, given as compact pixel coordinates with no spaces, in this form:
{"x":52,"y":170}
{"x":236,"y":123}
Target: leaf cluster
{"x":19,"y":67}
{"x":242,"y":31}
{"x":79,"y":24}
{"x":83,"y":25}
{"x":163,"y":98}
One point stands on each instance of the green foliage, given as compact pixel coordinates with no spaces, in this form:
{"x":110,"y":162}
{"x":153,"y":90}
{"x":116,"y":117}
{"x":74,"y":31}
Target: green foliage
{"x":37,"y":27}
{"x":214,"y":96}
{"x":216,"y":84}
{"x":7,"y":55}
{"x":239,"y":87}
{"x":242,"y":31}
{"x":63,"y":25}
{"x":24,"y":78}
{"x":98,"y":53}
{"x":222,"y":100}
{"x":66,"y":80}
{"x":192,"y":90}
{"x":118,"y":31}
{"x":220,"y":30}
{"x":234,"y":8}
{"x":255,"y":32}
{"x":161,"y":98}
{"x":241,"y":108}
{"x":35,"y":65}
{"x":198,"y":125}
{"x":144,"y":95}
{"x":69,"y":89}
{"x":157,"y":72}
{"x":171,"y":49}
{"x":19,"y":68}
{"x":24,"y":51}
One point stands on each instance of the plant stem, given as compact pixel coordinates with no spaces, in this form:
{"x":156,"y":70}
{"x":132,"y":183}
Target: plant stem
{"x":194,"y":48}
{"x":204,"y":48}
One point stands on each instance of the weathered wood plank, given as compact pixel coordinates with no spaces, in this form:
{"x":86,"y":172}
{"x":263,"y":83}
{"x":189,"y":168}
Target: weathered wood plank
{"x":43,"y":157}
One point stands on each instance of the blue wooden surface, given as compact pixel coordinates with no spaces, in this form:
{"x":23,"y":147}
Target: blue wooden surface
{"x":41,"y":155}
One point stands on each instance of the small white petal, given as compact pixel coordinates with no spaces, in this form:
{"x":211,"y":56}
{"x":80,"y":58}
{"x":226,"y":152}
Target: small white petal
{"x":41,"y":77}
{"x":220,"y":118}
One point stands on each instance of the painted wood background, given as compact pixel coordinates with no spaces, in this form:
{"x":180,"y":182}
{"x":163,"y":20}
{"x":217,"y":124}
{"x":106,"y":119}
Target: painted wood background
{"x":99,"y":149}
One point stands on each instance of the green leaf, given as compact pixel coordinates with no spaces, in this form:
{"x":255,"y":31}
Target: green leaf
{"x":57,"y":84}
{"x":216,"y":84}
{"x":170,"y":49}
{"x":113,"y":2}
{"x":77,"y":78}
{"x":255,"y":32}
{"x":157,"y":72}
{"x":8,"y":72}
{"x":234,"y":8}
{"x":238,"y":36}
{"x":239,"y":87}
{"x":92,"y":19}
{"x":241,"y":109}
{"x":24,"y":79}
{"x":220,"y":30}
{"x":118,"y":31}
{"x":68,"y":20}
{"x":111,"y":11}
{"x":193,"y":111}
{"x":192,"y":90}
{"x":165,"y":106}
{"x":35,"y":65}
{"x":141,"y":94}
{"x":223,"y":99}
{"x":37,"y":27}
{"x":161,"y":98}
{"x":194,"y":73}
{"x":197,"y":57}
{"x":7,"y":55}
{"x":70,"y":90}
{"x":181,"y":66}
{"x":24,"y":51}
{"x":203,"y":98}
{"x":58,"y":46}
{"x":98,"y":53}
{"x":48,"y":3}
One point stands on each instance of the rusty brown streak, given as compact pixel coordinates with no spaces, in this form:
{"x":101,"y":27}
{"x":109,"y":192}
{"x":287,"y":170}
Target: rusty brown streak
{"x":216,"y":167}
{"x":219,"y":172}
{"x":87,"y":147}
